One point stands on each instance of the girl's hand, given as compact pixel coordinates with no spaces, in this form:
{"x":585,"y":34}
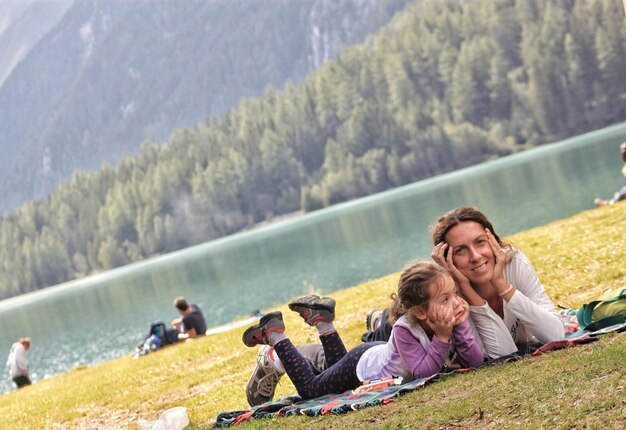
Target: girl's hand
{"x":441,"y":320}
{"x":445,"y":261}
{"x":462,"y":312}
{"x":500,"y":259}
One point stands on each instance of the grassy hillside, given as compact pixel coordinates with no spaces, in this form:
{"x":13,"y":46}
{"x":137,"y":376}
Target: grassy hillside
{"x":582,"y":387}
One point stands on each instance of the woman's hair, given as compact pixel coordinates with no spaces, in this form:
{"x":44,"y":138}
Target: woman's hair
{"x":24,"y":341}
{"x":456,"y":216}
{"x":413,"y":287}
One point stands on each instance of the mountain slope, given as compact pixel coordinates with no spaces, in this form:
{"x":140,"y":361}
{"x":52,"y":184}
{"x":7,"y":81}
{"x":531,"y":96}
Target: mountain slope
{"x":22,"y":24}
{"x":112,"y":75}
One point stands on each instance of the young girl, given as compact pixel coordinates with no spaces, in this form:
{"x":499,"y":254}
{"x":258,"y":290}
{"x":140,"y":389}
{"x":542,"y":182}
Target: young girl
{"x":430,"y":319}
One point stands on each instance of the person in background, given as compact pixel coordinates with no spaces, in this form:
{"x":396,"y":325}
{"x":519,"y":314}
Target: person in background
{"x":509,"y":308}
{"x":430,"y":321}
{"x":17,"y":363}
{"x":621,"y":194}
{"x":191,"y":322}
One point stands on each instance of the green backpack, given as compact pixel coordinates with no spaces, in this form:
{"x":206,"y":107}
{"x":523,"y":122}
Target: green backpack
{"x":609,"y":309}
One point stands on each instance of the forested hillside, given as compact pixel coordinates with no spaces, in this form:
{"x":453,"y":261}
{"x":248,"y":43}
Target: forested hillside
{"x":445,"y":85}
{"x":114,"y":74}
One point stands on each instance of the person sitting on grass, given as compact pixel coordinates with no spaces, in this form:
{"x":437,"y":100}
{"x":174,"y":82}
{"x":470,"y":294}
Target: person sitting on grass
{"x":191,"y":322}
{"x":430,"y":319}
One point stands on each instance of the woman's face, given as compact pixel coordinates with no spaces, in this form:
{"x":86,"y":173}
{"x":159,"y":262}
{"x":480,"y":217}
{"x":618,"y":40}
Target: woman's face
{"x":471,"y":252}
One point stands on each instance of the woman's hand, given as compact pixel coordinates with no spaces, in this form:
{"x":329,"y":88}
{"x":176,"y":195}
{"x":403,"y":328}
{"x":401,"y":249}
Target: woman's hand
{"x":445,"y":261}
{"x":498,"y":280}
{"x":441,"y":321}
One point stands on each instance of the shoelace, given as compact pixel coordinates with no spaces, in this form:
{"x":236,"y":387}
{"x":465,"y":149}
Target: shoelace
{"x":267,"y":384}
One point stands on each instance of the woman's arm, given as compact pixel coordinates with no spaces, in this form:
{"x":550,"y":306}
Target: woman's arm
{"x":530,"y":303}
{"x":494,"y":335}
{"x":544,"y":325}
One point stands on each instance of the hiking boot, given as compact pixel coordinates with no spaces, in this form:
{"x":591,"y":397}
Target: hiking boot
{"x":259,"y":333}
{"x":264,"y":379}
{"x":373,"y":319}
{"x":314,"y":309}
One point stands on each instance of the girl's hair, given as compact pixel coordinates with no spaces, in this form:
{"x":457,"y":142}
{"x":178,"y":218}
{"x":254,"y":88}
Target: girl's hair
{"x":450,"y":219}
{"x":413,"y":287}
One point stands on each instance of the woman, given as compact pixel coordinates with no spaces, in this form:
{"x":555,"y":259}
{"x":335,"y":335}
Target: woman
{"x":508,"y":304}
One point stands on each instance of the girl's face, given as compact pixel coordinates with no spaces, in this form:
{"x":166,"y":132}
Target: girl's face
{"x":471,"y":252}
{"x":444,"y":293}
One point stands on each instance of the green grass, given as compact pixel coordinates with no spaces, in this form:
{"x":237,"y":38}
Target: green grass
{"x":583,"y":387}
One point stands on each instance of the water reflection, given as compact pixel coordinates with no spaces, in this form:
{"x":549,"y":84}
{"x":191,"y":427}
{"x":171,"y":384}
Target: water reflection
{"x":103,"y":317}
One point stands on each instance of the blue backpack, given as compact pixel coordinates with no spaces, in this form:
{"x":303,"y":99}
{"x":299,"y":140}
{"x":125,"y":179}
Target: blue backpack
{"x":165,"y":335}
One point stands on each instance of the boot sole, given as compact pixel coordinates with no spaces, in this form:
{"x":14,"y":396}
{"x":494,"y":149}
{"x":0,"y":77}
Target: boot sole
{"x":249,"y":339}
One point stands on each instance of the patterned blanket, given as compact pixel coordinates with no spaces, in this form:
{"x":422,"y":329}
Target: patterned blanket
{"x":335,"y":404}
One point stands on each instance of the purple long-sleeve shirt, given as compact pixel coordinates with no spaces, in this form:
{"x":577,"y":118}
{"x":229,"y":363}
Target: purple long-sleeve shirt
{"x":411,"y":354}
{"x":423,"y":361}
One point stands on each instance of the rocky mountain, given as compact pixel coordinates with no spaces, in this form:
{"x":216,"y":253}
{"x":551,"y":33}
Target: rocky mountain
{"x":22,"y":24}
{"x":110,"y":75}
